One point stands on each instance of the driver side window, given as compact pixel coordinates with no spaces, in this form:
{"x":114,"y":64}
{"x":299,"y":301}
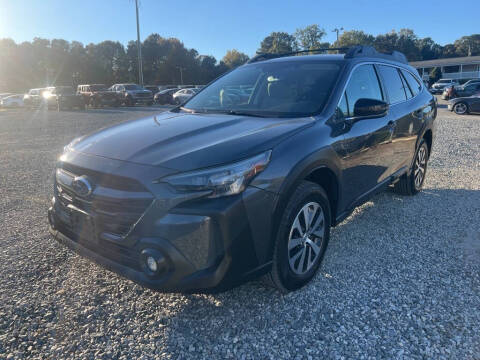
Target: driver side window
{"x":363,"y":84}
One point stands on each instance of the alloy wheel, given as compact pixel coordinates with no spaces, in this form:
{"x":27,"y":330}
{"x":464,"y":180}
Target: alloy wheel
{"x":460,"y":108}
{"x":420,"y":167}
{"x":306,"y":238}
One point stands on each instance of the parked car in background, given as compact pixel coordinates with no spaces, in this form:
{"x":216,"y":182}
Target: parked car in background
{"x":466,"y":90}
{"x":97,"y":95}
{"x":63,"y":98}
{"x":439,"y":86}
{"x":153,"y":88}
{"x":471,"y":81}
{"x":183,"y":95}
{"x":3,"y":95}
{"x":12,"y":101}
{"x":34,"y":98}
{"x":132,"y":94}
{"x":223,"y":189}
{"x":465,"y":105}
{"x":165,"y":96}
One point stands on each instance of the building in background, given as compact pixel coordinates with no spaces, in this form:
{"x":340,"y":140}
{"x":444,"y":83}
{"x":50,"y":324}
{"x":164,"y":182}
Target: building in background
{"x":467,"y":67}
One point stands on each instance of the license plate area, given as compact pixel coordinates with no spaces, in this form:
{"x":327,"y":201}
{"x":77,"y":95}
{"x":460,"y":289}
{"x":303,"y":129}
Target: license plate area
{"x":82,"y":225}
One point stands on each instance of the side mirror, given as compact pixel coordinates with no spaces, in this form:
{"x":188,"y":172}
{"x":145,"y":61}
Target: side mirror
{"x":370,"y":108}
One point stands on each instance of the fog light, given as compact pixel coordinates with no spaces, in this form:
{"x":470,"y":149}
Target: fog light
{"x":152,"y":264}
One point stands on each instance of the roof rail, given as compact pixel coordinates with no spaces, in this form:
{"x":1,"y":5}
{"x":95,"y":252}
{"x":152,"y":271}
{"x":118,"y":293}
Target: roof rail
{"x":350,"y":53}
{"x":369,"y":51}
{"x":267,"y":56}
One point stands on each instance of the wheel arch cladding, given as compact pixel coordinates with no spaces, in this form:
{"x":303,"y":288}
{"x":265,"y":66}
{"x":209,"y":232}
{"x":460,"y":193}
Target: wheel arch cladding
{"x":327,"y":179}
{"x":320,"y":175}
{"x":428,"y":139}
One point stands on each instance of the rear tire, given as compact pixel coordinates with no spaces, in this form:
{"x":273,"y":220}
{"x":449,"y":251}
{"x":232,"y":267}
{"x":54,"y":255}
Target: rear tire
{"x":299,"y":246}
{"x":411,"y":184}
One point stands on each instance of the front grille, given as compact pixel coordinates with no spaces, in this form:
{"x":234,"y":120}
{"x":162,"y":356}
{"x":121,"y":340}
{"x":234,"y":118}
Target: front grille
{"x":114,"y":210}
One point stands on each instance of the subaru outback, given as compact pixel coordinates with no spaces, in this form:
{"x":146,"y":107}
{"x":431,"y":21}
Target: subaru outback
{"x":248,"y":176}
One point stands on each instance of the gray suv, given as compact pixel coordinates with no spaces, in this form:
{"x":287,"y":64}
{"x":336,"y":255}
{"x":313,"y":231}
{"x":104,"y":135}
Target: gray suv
{"x":248,"y":176}
{"x":132,"y":94}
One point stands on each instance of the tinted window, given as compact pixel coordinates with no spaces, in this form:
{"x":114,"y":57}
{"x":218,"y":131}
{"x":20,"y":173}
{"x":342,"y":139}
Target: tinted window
{"x":363,"y":84}
{"x":406,"y":88}
{"x":412,"y":82}
{"x":393,"y":83}
{"x":342,"y":107}
{"x":283,"y":88}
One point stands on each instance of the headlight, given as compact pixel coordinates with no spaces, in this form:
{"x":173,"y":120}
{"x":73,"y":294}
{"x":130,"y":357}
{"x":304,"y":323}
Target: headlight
{"x":220,"y":181}
{"x":72,"y":143}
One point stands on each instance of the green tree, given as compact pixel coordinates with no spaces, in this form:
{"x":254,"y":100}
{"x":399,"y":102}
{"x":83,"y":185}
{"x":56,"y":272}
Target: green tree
{"x":277,"y":42}
{"x":435,"y":74}
{"x":448,"y":51}
{"x":428,"y":49}
{"x":309,"y":37}
{"x":234,"y":58}
{"x":468,"y":45}
{"x":354,"y":37}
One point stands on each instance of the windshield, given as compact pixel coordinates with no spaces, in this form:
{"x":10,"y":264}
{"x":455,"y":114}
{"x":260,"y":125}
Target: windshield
{"x":98,"y":87}
{"x":284,"y":89}
{"x":133,"y":87}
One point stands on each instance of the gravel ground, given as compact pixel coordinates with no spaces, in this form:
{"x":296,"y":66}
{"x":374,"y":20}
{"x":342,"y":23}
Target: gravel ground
{"x":400,"y":278}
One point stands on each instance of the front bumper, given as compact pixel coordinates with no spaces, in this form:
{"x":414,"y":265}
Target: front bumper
{"x":142,"y":100}
{"x":204,"y":244}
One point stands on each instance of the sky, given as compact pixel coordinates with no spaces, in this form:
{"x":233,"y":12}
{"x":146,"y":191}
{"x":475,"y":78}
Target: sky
{"x":215,"y":26}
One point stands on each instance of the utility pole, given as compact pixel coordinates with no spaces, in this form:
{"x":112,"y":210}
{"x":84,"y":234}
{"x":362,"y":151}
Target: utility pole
{"x":337,"y":30}
{"x":139,"y":46}
{"x":181,"y":73}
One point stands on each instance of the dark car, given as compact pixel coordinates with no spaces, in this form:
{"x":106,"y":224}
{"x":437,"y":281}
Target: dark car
{"x":165,"y":96}
{"x":63,"y":98}
{"x":132,"y":94}
{"x":153,"y":88}
{"x":97,"y":95}
{"x":466,"y":90}
{"x":226,"y":188}
{"x":465,"y":105}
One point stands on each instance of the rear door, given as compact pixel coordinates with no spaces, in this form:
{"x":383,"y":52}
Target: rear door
{"x":407,"y":109}
{"x":367,"y":148}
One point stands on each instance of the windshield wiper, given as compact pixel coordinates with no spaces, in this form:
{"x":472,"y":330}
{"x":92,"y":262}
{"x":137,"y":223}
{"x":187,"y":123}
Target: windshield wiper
{"x":242,"y":113}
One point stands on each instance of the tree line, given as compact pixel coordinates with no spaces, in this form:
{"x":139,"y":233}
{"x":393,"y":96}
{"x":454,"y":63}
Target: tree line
{"x":166,"y":60}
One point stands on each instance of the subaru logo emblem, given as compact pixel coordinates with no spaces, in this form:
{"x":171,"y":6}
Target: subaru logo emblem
{"x":82,"y":186}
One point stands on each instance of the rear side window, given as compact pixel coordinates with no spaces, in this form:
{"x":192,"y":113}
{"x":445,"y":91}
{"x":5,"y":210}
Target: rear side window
{"x":363,"y":84}
{"x":393,"y":83}
{"x":412,"y":82}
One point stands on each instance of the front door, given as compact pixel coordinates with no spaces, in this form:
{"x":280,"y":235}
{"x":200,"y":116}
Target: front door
{"x":367,"y":145}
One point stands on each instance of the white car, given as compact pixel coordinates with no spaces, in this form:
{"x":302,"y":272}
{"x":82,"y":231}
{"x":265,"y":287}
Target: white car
{"x":12,"y":101}
{"x":441,"y":84}
{"x":183,"y":95}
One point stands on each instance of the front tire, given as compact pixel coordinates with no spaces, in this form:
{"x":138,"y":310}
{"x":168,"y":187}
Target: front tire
{"x":302,"y":238}
{"x":411,"y":184}
{"x":460,"y":108}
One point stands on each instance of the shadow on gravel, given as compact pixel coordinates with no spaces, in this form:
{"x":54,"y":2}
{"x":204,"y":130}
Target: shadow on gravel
{"x":376,"y":253}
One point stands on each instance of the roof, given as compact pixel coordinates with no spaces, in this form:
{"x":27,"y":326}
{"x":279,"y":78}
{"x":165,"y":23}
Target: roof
{"x":465,"y":60}
{"x":324,"y":57}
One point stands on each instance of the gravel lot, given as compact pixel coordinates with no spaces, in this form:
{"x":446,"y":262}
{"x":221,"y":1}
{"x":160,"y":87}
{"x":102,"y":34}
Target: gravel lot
{"x":401,"y":277}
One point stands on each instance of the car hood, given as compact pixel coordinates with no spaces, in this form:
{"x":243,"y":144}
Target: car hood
{"x":184,"y":142}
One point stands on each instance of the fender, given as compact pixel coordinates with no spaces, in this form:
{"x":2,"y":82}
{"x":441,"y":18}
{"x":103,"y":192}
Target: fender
{"x":323,"y":158}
